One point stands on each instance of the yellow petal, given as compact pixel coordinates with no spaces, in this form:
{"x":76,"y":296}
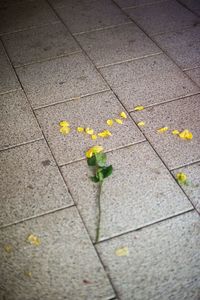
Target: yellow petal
{"x":93,"y":150}
{"x":28,"y":274}
{"x":109,"y":122}
{"x":80,"y":129}
{"x":64,"y":124}
{"x":8,"y":248}
{"x":163,"y":129}
{"x":123,"y":115}
{"x":93,"y":136}
{"x":141,"y":123}
{"x":175,"y":132}
{"x":138,"y":108}
{"x":33,"y":240}
{"x":181,"y":178}
{"x":118,"y":121}
{"x":89,"y":130}
{"x":64,"y":130}
{"x":186,"y":135}
{"x":104,"y":134}
{"x":122,"y":251}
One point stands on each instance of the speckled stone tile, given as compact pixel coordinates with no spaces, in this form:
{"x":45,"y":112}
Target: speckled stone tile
{"x":139,"y":192}
{"x":182,"y":46}
{"x":135,"y":3}
{"x":192,"y":187}
{"x":163,"y":261}
{"x":39,"y":44}
{"x":17,"y":122}
{"x":180,"y":114}
{"x":162,"y":17}
{"x":86,"y":15}
{"x":117,"y":44}
{"x":60,"y":79}
{"x":30,"y":183}
{"x":64,"y":266}
{"x":92,"y":112}
{"x":148,"y":81}
{"x":194,"y":75}
{"x":191,"y":4}
{"x":8,"y":79}
{"x":24,"y":15}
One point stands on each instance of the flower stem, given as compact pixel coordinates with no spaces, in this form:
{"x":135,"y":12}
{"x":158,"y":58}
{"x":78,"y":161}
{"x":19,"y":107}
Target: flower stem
{"x":99,"y":212}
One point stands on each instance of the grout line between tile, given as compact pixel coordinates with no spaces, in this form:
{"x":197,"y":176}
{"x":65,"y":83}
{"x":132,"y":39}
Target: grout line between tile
{"x":185,"y":165}
{"x":141,"y":5}
{"x":192,"y":68}
{"x":21,"y":144}
{"x":10,"y":91}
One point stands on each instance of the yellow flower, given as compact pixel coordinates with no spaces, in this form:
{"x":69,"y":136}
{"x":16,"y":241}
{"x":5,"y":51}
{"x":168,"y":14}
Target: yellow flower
{"x":33,"y":240}
{"x":181,"y":178}
{"x":104,"y":134}
{"x":175,"y":132}
{"x":122,"y":251}
{"x":123,"y":115}
{"x":89,"y":131}
{"x":80,"y":129}
{"x":93,"y":137}
{"x":141,"y":123}
{"x":8,"y":248}
{"x":186,"y":135}
{"x":109,"y":122}
{"x":163,"y":129}
{"x":138,"y":108}
{"x":64,"y":124}
{"x":64,"y":130}
{"x":93,"y":150}
{"x":118,"y":121}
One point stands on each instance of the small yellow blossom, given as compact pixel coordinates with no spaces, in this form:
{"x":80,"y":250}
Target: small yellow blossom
{"x":118,"y":121}
{"x":64,"y":123}
{"x":89,"y":130}
{"x":122,"y":251}
{"x":175,"y":132}
{"x":28,"y":274}
{"x":123,"y":115}
{"x":109,"y":122}
{"x":163,"y":129}
{"x":141,"y":123}
{"x":93,"y":136}
{"x":8,"y":248}
{"x":181,"y":178}
{"x":80,"y":129}
{"x":93,"y":150}
{"x":186,"y":135}
{"x":104,"y":134}
{"x":138,"y":108}
{"x":33,"y":240}
{"x":64,"y":130}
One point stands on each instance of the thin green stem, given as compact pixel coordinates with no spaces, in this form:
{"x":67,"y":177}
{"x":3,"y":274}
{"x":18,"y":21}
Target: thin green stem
{"x":99,"y":212}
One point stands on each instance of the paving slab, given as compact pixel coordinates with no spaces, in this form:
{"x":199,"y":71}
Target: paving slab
{"x":26,"y":14}
{"x":194,"y":74}
{"x":180,"y":114}
{"x":179,"y":44}
{"x":39,"y":44}
{"x":87,"y":15}
{"x":192,"y":188}
{"x":162,"y":17}
{"x":163,"y":261}
{"x":140,"y":191}
{"x":30,"y":183}
{"x":92,"y":112}
{"x":17,"y":122}
{"x":117,"y":44}
{"x":8,"y":79}
{"x":135,"y":3}
{"x":60,"y":79}
{"x":57,"y":268}
{"x":148,"y":81}
{"x":191,"y":4}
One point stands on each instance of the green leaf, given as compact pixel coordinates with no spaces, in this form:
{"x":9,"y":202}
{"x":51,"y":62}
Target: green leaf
{"x":100,"y":159}
{"x":91,"y":161}
{"x":94,"y":179}
{"x":107,"y":171}
{"x":99,"y":174}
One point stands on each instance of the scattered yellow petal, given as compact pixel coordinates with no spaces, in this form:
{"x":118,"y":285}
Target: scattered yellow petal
{"x":80,"y":129}
{"x":123,"y":115}
{"x":28,"y":274}
{"x":109,"y":122}
{"x":118,"y":121}
{"x":141,"y":123}
{"x":93,"y":150}
{"x":93,"y":136}
{"x":186,"y":135}
{"x":163,"y":129}
{"x":64,"y":130}
{"x":104,"y":134}
{"x":89,"y":130}
{"x":33,"y":240}
{"x":64,"y":124}
{"x":122,"y":251}
{"x":175,"y":132}
{"x":181,"y":178}
{"x":138,"y":108}
{"x":8,"y":248}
